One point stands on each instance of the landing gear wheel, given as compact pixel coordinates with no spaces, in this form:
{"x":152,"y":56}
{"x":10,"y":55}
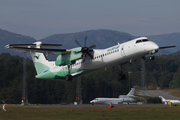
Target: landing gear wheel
{"x":69,"y":77}
{"x":121,"y":77}
{"x":152,"y":57}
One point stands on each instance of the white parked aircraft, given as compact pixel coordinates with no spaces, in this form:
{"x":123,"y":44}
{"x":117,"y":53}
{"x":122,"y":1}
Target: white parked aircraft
{"x":168,"y":100}
{"x":81,"y":60}
{"x":112,"y":101}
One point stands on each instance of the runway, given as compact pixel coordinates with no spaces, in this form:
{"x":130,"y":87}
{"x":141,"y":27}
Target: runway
{"x":82,"y":105}
{"x":157,"y":93}
{"x":150,"y":93}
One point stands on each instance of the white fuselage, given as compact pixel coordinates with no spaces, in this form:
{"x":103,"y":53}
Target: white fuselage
{"x":102,"y":58}
{"x":168,"y":100}
{"x":172,"y":101}
{"x":110,"y":101}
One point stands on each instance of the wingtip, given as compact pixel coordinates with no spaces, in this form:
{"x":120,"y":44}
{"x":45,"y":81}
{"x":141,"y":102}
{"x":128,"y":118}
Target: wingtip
{"x":7,"y":46}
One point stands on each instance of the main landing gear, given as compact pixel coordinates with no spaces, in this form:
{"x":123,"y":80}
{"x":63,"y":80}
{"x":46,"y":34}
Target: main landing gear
{"x":121,"y":76}
{"x":69,"y":77}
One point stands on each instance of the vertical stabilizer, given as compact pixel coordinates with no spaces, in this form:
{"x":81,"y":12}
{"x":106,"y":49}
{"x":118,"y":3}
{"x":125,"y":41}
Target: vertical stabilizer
{"x":163,"y":99}
{"x":131,"y":93}
{"x":40,"y":62}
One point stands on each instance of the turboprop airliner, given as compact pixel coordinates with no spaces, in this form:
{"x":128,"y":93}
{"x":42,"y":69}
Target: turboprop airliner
{"x":112,"y":101}
{"x":81,"y":60}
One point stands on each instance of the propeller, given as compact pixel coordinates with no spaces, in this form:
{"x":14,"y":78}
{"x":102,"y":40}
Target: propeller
{"x":86,"y":50}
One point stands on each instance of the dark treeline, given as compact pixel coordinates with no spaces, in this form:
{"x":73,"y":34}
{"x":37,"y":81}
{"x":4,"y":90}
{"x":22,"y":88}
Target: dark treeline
{"x":163,"y":72}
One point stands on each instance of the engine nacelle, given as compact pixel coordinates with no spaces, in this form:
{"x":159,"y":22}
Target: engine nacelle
{"x":69,"y":58}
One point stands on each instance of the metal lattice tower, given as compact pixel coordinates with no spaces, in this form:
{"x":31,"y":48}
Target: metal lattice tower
{"x":143,"y":74}
{"x":24,"y":89}
{"x":78,"y":91}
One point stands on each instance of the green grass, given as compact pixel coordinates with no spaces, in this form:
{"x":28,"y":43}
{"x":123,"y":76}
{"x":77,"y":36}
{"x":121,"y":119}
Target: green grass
{"x":88,"y":113}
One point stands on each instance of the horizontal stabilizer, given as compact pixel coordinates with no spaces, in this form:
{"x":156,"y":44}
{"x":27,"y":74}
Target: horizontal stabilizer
{"x":32,"y":45}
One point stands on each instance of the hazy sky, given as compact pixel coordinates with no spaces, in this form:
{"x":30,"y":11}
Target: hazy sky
{"x":41,"y":18}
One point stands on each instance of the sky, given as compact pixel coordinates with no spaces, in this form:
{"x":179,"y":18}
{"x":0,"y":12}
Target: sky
{"x":42,"y":18}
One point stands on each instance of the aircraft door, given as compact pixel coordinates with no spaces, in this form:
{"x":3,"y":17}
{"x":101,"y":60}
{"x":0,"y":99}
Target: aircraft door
{"x":122,"y":51}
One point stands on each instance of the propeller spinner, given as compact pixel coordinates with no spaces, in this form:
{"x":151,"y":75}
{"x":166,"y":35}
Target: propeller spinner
{"x":86,"y":50}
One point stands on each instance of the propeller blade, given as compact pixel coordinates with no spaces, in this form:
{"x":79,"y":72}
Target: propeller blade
{"x":167,"y":47}
{"x":92,"y":46}
{"x":90,"y":50}
{"x":83,"y":59}
{"x":90,"y":55}
{"x":85,"y":39}
{"x":78,"y":43}
{"x":85,"y":50}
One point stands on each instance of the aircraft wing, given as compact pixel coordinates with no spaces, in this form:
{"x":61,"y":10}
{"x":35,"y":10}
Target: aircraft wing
{"x":27,"y":47}
{"x":77,"y":73}
{"x":114,"y":102}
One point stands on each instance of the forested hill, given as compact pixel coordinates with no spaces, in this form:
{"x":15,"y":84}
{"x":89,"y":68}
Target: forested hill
{"x":7,"y":37}
{"x":101,"y":38}
{"x":163,"y":72}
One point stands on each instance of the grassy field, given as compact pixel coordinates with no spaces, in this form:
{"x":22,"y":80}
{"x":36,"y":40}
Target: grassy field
{"x":88,"y":113}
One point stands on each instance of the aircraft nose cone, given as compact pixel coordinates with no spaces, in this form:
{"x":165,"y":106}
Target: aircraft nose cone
{"x":154,"y":47}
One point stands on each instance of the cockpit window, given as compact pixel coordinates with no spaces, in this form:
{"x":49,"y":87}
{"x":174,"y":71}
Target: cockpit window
{"x":138,"y":41}
{"x":144,"y":40}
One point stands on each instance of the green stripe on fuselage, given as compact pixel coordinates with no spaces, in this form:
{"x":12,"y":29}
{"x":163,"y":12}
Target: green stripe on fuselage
{"x":40,"y":67}
{"x":61,"y":74}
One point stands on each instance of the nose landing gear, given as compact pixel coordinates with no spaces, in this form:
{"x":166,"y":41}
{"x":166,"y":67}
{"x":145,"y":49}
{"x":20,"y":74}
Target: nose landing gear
{"x":152,"y":57}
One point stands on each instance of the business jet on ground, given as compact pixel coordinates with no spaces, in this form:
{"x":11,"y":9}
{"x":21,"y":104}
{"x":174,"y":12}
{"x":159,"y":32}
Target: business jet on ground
{"x":168,"y":100}
{"x":114,"y":101}
{"x":81,"y":60}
